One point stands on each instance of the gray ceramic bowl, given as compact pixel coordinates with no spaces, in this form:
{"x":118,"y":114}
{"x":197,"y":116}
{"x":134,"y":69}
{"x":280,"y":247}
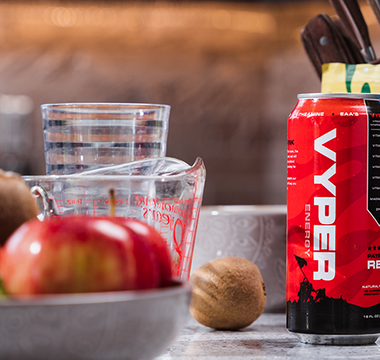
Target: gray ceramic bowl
{"x":123,"y":325}
{"x":257,"y":233}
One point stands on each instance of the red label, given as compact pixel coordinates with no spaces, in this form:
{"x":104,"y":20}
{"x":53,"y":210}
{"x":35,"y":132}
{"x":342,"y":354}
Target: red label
{"x":333,"y":239}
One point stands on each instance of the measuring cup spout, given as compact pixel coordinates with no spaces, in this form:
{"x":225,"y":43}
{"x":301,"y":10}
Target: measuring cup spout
{"x":198,"y":166}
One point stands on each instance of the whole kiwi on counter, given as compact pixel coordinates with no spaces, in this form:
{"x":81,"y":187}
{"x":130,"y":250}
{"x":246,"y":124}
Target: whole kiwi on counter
{"x":17,"y":204}
{"x":228,"y":293}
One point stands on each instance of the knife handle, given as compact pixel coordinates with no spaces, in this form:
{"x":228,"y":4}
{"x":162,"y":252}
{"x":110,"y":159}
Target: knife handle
{"x":352,"y":18}
{"x":324,"y":43}
{"x":354,"y":56}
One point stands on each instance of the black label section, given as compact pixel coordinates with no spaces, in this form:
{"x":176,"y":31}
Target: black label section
{"x":373,"y":170}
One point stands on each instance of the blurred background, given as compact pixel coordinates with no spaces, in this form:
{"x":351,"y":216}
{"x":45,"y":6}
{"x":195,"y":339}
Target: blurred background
{"x":231,"y":72}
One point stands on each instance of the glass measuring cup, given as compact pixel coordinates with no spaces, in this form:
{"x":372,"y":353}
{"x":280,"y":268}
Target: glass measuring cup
{"x":164,"y":192}
{"x":83,"y":136}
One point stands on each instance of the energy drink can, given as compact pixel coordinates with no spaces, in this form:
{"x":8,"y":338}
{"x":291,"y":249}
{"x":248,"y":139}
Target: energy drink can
{"x":333,"y":225}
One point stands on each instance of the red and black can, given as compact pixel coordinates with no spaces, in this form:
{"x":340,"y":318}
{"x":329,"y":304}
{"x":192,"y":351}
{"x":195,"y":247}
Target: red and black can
{"x":333,"y":225}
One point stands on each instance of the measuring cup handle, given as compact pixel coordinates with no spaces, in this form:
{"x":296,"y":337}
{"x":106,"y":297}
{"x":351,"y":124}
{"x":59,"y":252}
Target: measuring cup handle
{"x":48,"y":210}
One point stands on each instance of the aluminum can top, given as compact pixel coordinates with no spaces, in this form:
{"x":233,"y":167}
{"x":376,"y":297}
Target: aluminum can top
{"x":339,"y":96}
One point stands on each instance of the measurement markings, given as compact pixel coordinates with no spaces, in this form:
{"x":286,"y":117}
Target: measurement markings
{"x":58,"y":206}
{"x":94,"y":205}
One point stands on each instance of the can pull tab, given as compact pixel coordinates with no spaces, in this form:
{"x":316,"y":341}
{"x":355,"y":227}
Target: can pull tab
{"x":47,"y":205}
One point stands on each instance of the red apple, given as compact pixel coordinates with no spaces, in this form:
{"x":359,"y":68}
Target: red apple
{"x":158,"y":244}
{"x":79,"y":254}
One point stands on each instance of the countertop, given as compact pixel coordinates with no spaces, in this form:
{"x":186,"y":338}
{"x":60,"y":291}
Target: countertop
{"x":266,"y":338}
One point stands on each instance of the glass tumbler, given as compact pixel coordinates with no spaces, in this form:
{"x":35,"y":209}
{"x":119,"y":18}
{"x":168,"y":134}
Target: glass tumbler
{"x":87,"y":136}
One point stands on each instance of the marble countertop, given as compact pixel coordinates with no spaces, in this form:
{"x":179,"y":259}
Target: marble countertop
{"x":266,"y":338}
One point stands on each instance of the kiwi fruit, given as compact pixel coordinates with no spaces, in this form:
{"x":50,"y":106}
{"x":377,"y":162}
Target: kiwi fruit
{"x":228,"y":293}
{"x":17,"y":204}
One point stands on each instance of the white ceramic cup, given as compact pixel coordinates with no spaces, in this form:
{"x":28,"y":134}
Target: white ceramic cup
{"x":256,"y":233}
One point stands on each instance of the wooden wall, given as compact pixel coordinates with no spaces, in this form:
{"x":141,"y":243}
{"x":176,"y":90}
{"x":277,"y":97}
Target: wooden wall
{"x":230,"y":71}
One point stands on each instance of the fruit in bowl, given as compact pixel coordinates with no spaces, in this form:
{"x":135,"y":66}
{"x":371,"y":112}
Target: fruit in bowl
{"x":73,"y":271}
{"x":17,"y":205}
{"x":78,"y":254}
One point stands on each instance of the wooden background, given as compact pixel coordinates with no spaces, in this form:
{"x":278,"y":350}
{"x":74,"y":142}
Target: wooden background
{"x":230,"y":71}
